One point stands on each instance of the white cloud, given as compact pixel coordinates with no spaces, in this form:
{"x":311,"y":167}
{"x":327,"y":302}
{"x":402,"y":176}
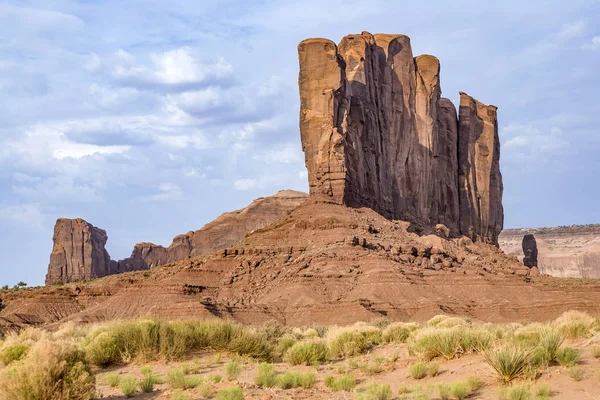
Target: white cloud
{"x":593,"y":45}
{"x":29,"y":214}
{"x":179,"y":68}
{"x":245,"y":184}
{"x":290,"y":153}
{"x":166,"y":192}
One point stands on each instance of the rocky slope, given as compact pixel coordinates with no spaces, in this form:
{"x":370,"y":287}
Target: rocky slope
{"x":79,"y":252}
{"x":568,"y":252}
{"x":322,"y":264}
{"x":376,"y":133}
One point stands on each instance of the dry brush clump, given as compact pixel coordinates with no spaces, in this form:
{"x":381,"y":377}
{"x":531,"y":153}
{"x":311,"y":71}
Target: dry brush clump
{"x":51,"y":370}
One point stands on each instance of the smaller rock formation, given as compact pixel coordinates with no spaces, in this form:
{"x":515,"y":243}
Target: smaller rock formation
{"x":530,"y":250}
{"x":78,"y":252}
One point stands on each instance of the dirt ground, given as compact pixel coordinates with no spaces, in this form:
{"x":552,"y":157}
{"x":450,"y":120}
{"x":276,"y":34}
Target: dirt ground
{"x":395,"y":373}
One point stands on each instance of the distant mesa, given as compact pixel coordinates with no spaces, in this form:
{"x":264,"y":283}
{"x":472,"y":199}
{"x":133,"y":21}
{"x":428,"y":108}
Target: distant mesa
{"x":376,"y":133}
{"x":79,"y":247}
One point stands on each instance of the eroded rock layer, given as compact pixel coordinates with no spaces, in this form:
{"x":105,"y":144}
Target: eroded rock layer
{"x":376,"y":133}
{"x":79,"y":251}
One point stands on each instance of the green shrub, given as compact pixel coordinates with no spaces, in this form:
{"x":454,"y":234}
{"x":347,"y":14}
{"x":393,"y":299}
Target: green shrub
{"x":265,"y":375}
{"x":508,"y":361}
{"x":567,"y":357}
{"x":287,"y":380}
{"x":179,"y":395}
{"x":12,"y":352}
{"x":232,"y":393}
{"x":543,"y":392}
{"x":432,"y":368}
{"x":396,"y":333}
{"x":345,"y":382}
{"x":307,"y":380}
{"x":177,"y":379}
{"x":576,"y":373}
{"x":516,"y":392}
{"x":459,"y":390}
{"x":348,"y":344}
{"x":128,"y":385}
{"x":216,"y":378}
{"x":434,"y":342}
{"x":284,"y":343}
{"x":575,"y":324}
{"x":172,"y":340}
{"x":112,"y":380}
{"x":205,"y":390}
{"x":418,"y":370}
{"x":147,"y":383}
{"x":548,"y":346}
{"x":376,"y":391}
{"x":53,"y":370}
{"x":306,"y":353}
{"x":233,"y":369}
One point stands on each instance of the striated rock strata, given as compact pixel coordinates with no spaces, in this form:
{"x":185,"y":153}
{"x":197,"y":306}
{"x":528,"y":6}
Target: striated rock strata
{"x":79,"y":251}
{"x":376,"y":133}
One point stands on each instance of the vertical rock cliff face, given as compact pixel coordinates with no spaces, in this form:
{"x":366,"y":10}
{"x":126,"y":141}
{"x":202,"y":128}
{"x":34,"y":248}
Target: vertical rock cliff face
{"x":78,"y":252}
{"x":376,"y":133}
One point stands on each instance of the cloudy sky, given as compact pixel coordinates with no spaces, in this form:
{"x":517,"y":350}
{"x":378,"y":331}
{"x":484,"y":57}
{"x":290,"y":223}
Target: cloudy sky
{"x":150,"y":118}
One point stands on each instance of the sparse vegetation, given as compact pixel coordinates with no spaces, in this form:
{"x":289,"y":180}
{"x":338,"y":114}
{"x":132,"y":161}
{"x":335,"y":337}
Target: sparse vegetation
{"x":309,"y":353}
{"x":509,"y":361}
{"x":232,"y":393}
{"x":567,"y":357}
{"x":375,"y":391}
{"x":418,"y":370}
{"x":345,"y":382}
{"x":516,"y":392}
{"x":265,"y":375}
{"x":112,"y":380}
{"x":576,"y":373}
{"x":49,"y":371}
{"x":233,"y":369}
{"x":128,"y":385}
{"x":12,"y":352}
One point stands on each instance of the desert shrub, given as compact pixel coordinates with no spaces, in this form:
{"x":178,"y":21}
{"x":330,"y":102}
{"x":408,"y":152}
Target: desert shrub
{"x":419,"y":392}
{"x":456,"y":390}
{"x":567,"y":357}
{"x":397,"y":332}
{"x":150,"y":339}
{"x":128,"y":385}
{"x":418,"y":370}
{"x":179,"y":395}
{"x":432,"y":369}
{"x":233,"y":369}
{"x":528,"y":335}
{"x":508,"y":361}
{"x":306,"y":353}
{"x":543,"y":392}
{"x":434,"y":321}
{"x":403,"y":389}
{"x":516,"y":392}
{"x":371,"y":368}
{"x":596,"y":352}
{"x":232,"y":393}
{"x":216,"y":378}
{"x":575,"y":324}
{"x":430,"y":343}
{"x":147,"y":383}
{"x":112,"y":380}
{"x":284,"y":343}
{"x":50,"y":371}
{"x":287,"y":380}
{"x":310,"y":333}
{"x":376,"y":391}
{"x":265,"y":375}
{"x":177,"y":379}
{"x":452,"y":322}
{"x":548,"y":346}
{"x":345,"y":382}
{"x":307,"y":380}
{"x":348,"y":344}
{"x":205,"y":390}
{"x":576,"y":373}
{"x":12,"y":352}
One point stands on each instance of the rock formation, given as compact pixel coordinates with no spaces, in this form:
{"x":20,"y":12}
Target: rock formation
{"x":530,"y":250}
{"x":376,"y":133}
{"x":79,"y":252}
{"x":566,"y":251}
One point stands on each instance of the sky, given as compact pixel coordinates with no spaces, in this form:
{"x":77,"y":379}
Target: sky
{"x":150,"y":118}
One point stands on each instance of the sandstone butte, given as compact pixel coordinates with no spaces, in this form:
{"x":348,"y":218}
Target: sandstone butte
{"x":402,"y":221}
{"x":376,"y":133}
{"x":79,"y":253}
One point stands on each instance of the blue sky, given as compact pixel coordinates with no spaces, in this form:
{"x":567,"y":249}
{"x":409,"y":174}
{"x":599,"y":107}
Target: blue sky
{"x":150,"y":118}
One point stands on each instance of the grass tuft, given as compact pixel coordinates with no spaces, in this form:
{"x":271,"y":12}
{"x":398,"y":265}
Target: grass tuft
{"x":509,"y":361}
